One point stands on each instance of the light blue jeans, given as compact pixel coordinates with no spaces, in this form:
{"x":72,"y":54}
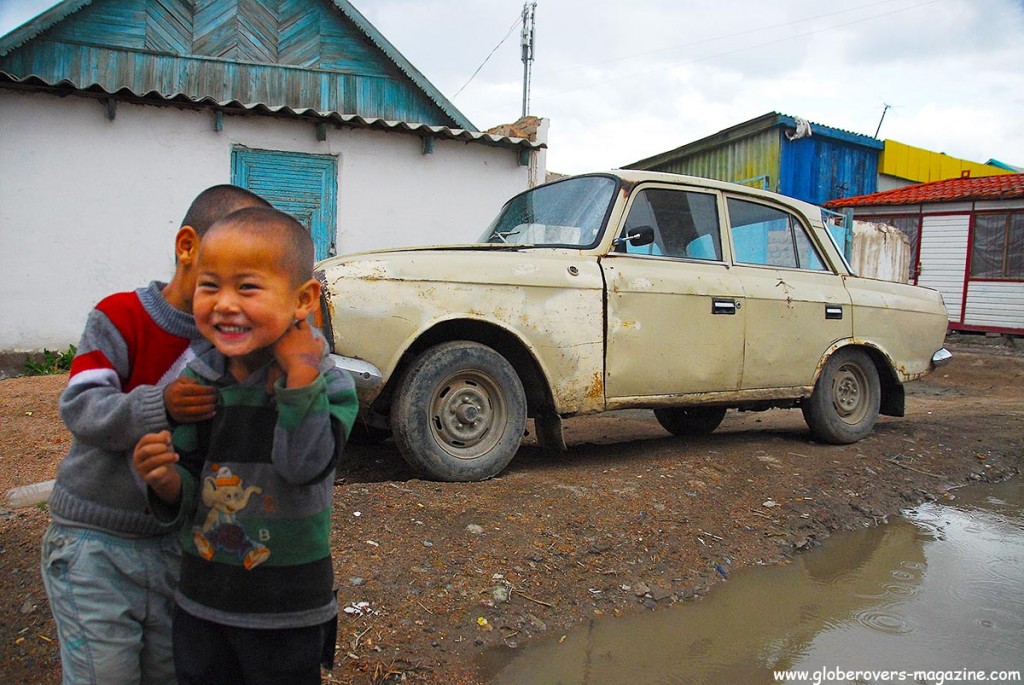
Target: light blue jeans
{"x":112,"y":599}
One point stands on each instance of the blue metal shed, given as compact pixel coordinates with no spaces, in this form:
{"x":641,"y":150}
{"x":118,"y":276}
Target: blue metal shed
{"x":781,"y":153}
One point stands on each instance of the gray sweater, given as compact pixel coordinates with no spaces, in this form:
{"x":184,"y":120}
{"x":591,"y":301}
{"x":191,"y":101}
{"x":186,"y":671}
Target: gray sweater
{"x":134,"y":344}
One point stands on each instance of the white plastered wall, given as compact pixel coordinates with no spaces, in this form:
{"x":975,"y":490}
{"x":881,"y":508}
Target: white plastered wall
{"x":89,"y":206}
{"x":880,"y":251}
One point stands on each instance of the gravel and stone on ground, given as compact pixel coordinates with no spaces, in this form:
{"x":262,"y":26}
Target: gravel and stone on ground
{"x":432,"y":575}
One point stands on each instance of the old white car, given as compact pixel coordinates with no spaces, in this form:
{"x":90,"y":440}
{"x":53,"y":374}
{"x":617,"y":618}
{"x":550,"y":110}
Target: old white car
{"x":622,"y":290}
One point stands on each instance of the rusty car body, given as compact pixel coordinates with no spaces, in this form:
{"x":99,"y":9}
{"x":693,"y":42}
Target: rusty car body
{"x":621,"y":290}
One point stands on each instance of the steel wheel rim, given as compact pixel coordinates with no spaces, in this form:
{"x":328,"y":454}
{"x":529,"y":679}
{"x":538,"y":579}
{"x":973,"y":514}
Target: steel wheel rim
{"x":468,"y":414}
{"x":849,"y":394}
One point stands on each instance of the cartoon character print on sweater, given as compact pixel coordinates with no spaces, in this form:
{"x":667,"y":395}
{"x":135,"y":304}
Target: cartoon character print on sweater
{"x":225,"y":496}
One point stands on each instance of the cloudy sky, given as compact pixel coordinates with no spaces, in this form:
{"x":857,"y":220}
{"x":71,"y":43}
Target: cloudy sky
{"x":623,"y":81}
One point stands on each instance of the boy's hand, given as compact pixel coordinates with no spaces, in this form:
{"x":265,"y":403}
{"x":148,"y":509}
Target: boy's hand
{"x":298,"y":353}
{"x":154,"y":459}
{"x":188,"y":401}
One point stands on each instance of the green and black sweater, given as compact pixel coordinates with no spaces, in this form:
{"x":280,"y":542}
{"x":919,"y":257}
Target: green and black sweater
{"x":257,"y":486}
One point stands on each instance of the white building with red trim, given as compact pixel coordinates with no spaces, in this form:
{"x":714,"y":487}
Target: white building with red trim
{"x":967,"y":238}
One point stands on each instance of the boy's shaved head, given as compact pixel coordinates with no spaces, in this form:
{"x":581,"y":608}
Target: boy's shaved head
{"x":296,"y":245}
{"x":216,"y":202}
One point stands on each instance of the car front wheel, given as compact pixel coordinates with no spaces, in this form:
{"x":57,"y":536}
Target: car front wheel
{"x":690,"y":420}
{"x":844,"y":405}
{"x":459,"y":412}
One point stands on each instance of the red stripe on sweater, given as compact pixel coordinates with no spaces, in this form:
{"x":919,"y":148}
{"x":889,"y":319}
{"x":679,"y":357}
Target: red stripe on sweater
{"x":90,"y":360}
{"x":151,"y":349}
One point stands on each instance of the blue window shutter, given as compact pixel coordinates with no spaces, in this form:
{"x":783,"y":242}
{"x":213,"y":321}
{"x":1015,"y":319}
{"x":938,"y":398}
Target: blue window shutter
{"x":303,"y":185}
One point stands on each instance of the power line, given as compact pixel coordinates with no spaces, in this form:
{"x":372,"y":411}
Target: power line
{"x":519,"y":19}
{"x":725,"y":36}
{"x":745,"y":48}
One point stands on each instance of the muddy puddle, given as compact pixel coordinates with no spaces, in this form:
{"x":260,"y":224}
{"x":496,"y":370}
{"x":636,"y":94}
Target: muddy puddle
{"x":935,"y":597}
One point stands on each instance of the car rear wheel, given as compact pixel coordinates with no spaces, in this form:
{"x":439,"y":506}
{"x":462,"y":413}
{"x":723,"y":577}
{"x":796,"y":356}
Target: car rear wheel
{"x":690,"y":420}
{"x":459,"y":412}
{"x":844,"y":405}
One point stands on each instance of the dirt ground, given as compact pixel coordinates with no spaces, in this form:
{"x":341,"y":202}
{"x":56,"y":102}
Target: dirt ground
{"x":630,"y":520}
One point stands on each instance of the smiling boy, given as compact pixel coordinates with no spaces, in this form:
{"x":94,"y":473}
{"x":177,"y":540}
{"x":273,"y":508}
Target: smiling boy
{"x":108,"y":566}
{"x":255,"y":601}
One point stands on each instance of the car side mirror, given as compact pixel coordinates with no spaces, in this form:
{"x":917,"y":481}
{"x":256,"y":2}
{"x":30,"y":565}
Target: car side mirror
{"x":637,"y":237}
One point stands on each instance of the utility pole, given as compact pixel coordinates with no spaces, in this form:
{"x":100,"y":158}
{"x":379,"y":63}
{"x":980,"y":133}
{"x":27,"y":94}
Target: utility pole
{"x":529,"y":8}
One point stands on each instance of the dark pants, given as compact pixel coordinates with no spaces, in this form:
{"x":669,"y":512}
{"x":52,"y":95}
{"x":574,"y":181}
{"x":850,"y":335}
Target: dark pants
{"x":208,"y":653}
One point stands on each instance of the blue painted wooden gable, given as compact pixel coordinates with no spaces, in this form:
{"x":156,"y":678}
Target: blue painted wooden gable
{"x":318,"y":54}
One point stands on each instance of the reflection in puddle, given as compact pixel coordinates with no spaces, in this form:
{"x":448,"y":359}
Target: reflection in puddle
{"x":941,"y":590}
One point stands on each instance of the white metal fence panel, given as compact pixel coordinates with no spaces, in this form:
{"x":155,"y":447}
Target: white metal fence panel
{"x":944,"y":258}
{"x":995,"y":304}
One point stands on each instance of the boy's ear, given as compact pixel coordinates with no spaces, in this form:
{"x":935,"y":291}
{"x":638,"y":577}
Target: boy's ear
{"x":309,"y":299}
{"x":186,"y":245}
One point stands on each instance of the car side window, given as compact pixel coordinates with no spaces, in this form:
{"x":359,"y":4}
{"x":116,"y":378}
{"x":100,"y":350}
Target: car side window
{"x":768,"y":236}
{"x":685,"y":224}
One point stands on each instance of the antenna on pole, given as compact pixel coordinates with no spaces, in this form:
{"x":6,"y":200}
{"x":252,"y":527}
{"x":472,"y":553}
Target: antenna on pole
{"x":529,"y":8}
{"x":887,"y":106}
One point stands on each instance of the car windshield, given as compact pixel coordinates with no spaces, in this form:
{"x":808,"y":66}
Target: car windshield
{"x":567,"y":213}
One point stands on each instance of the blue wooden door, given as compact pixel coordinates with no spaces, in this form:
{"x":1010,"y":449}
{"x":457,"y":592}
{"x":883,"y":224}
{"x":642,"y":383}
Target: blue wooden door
{"x":303,"y":185}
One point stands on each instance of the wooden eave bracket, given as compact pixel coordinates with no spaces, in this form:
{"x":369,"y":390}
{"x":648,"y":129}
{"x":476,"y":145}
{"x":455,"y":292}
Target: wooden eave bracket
{"x":428,"y":145}
{"x":218,"y":120}
{"x":111,"y":105}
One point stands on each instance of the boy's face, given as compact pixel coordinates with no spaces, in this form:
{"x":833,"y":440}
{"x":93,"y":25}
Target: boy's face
{"x":245,"y":299}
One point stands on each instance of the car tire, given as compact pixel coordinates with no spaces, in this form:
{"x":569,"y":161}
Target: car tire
{"x":690,"y":420}
{"x":459,"y":412}
{"x":844,"y":405}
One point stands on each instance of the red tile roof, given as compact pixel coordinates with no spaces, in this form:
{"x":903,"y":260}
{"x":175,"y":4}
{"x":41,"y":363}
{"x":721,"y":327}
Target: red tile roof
{"x":950,"y":190}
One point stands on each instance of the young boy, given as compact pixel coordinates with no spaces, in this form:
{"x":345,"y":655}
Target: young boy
{"x":256,"y":600}
{"x":110,"y":567}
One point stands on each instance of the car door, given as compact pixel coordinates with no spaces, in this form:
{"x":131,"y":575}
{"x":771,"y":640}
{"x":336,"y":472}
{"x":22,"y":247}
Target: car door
{"x":795,"y":305}
{"x":675,"y":321}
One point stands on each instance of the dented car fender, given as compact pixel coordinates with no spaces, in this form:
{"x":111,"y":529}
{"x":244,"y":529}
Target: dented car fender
{"x":552,"y":306}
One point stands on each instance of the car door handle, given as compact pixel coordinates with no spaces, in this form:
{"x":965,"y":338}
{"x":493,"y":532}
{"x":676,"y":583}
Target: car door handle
{"x":833,"y":311}
{"x":724,"y":306}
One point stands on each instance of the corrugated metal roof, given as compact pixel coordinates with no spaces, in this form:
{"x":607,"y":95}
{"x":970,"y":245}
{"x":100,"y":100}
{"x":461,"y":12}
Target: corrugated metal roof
{"x":774,"y":150}
{"x":1004,"y":165}
{"x":949,"y":190}
{"x":48,"y":19}
{"x":35,"y":26}
{"x":747,"y":129}
{"x":234,"y":107}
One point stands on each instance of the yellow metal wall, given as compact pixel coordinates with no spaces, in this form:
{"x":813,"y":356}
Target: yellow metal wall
{"x":916,"y":164}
